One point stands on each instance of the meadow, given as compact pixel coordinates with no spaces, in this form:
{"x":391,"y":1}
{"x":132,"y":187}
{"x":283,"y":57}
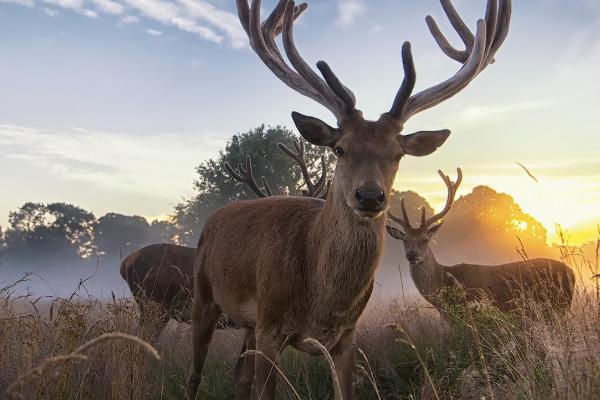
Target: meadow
{"x":407,"y":351}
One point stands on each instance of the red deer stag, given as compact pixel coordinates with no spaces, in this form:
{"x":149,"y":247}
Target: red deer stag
{"x":160,"y":276}
{"x":542,"y":281}
{"x":289,"y":268}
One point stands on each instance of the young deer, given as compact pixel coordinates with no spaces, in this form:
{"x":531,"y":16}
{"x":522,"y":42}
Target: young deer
{"x":289,"y":268}
{"x":542,"y":281}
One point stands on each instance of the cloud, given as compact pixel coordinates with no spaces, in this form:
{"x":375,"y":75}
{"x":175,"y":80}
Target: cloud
{"x":349,"y":11}
{"x":26,"y":3}
{"x":50,"y":12}
{"x":109,"y":7}
{"x":196,"y":63}
{"x":130,"y":19}
{"x":173,"y":15}
{"x":89,"y":13}
{"x":153,"y":32}
{"x":76,"y":5}
{"x":483,"y":112}
{"x":225,"y":21}
{"x":198,"y":17}
{"x":113,"y":161}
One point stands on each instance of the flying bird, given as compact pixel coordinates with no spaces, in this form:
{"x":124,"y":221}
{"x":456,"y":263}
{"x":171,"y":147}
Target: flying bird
{"x":528,"y":172}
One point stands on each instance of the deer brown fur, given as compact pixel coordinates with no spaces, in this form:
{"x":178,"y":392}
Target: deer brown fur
{"x":160,"y":277}
{"x":547,"y":283}
{"x":285,"y":268}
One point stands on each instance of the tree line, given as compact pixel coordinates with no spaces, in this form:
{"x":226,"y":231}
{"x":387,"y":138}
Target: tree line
{"x":482,"y":225}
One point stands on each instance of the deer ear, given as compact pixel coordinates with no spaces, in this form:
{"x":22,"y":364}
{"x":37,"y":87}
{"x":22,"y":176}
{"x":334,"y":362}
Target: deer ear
{"x":395,"y":233}
{"x":314,"y":130}
{"x":424,"y":143}
{"x":433,"y":230}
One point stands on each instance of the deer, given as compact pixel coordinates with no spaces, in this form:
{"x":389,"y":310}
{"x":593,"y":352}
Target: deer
{"x":160,"y":276}
{"x":509,"y":287}
{"x":294,"y":271}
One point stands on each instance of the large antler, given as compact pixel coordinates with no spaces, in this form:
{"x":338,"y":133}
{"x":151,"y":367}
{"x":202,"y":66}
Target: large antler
{"x":329,"y":92}
{"x":318,"y":189}
{"x":245,"y":175}
{"x":427,"y":222}
{"x":479,"y":53}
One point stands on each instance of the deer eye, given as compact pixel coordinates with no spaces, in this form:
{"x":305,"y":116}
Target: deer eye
{"x":339,"y":152}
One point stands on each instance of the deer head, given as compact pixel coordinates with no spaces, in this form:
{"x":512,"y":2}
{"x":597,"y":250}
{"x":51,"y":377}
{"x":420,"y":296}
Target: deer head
{"x":416,"y":240}
{"x":369,"y":151}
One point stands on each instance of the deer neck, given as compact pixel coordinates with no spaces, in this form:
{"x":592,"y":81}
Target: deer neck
{"x":344,"y":252}
{"x":427,"y":276}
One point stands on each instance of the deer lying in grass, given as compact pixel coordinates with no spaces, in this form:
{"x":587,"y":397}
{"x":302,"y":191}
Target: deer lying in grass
{"x":288,"y":268}
{"x":160,"y":276}
{"x":548,"y":283}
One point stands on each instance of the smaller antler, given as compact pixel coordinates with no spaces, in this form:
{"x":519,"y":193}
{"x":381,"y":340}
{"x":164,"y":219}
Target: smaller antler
{"x":245,"y":175}
{"x":404,"y":221}
{"x":318,"y":189}
{"x":452,"y":188}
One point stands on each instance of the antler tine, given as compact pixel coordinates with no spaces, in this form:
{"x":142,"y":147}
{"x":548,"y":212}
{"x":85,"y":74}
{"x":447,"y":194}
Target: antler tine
{"x":299,"y":158}
{"x":452,"y":189}
{"x":301,"y":78}
{"x":458,"y":24}
{"x":404,"y":221}
{"x":246,"y":175}
{"x":320,"y":185}
{"x":266,"y":186}
{"x":479,"y":53}
{"x":330,"y":88}
{"x":408,"y":83}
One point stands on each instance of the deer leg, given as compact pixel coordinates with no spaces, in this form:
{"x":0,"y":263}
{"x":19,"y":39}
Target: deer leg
{"x":343,"y":359}
{"x":205,"y":315}
{"x":270,"y":344}
{"x":244,"y":368}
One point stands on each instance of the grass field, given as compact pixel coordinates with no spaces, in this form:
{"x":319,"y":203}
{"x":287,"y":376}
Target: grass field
{"x":411,"y":352}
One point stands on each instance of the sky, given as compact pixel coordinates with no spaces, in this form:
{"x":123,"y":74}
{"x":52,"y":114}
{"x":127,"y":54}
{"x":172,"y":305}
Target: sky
{"x":110,"y":104}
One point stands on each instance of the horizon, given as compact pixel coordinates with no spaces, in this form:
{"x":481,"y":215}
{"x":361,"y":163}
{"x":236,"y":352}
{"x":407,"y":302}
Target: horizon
{"x":110,"y":105}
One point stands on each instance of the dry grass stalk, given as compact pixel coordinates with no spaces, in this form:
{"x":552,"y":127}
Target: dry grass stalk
{"x":408,"y":341}
{"x":279,"y":371}
{"x":369,"y":372}
{"x":77,"y":355}
{"x":334,"y":377}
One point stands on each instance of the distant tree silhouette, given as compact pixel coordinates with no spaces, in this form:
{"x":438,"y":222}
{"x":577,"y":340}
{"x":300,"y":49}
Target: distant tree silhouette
{"x":49,"y":232}
{"x":487,"y":226}
{"x":214,"y":188}
{"x":117,"y":233}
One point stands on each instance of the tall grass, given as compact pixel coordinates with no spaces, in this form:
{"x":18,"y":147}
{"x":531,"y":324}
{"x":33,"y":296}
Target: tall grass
{"x":407,"y":351}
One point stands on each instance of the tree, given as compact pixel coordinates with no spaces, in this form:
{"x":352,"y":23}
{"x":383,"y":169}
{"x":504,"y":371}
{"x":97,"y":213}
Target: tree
{"x":214,"y":188}
{"x":117,"y":233}
{"x":487,"y":226}
{"x":55,"y":231}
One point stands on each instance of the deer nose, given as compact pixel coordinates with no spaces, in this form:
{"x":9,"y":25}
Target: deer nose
{"x":370,"y":199}
{"x":412,"y":256}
